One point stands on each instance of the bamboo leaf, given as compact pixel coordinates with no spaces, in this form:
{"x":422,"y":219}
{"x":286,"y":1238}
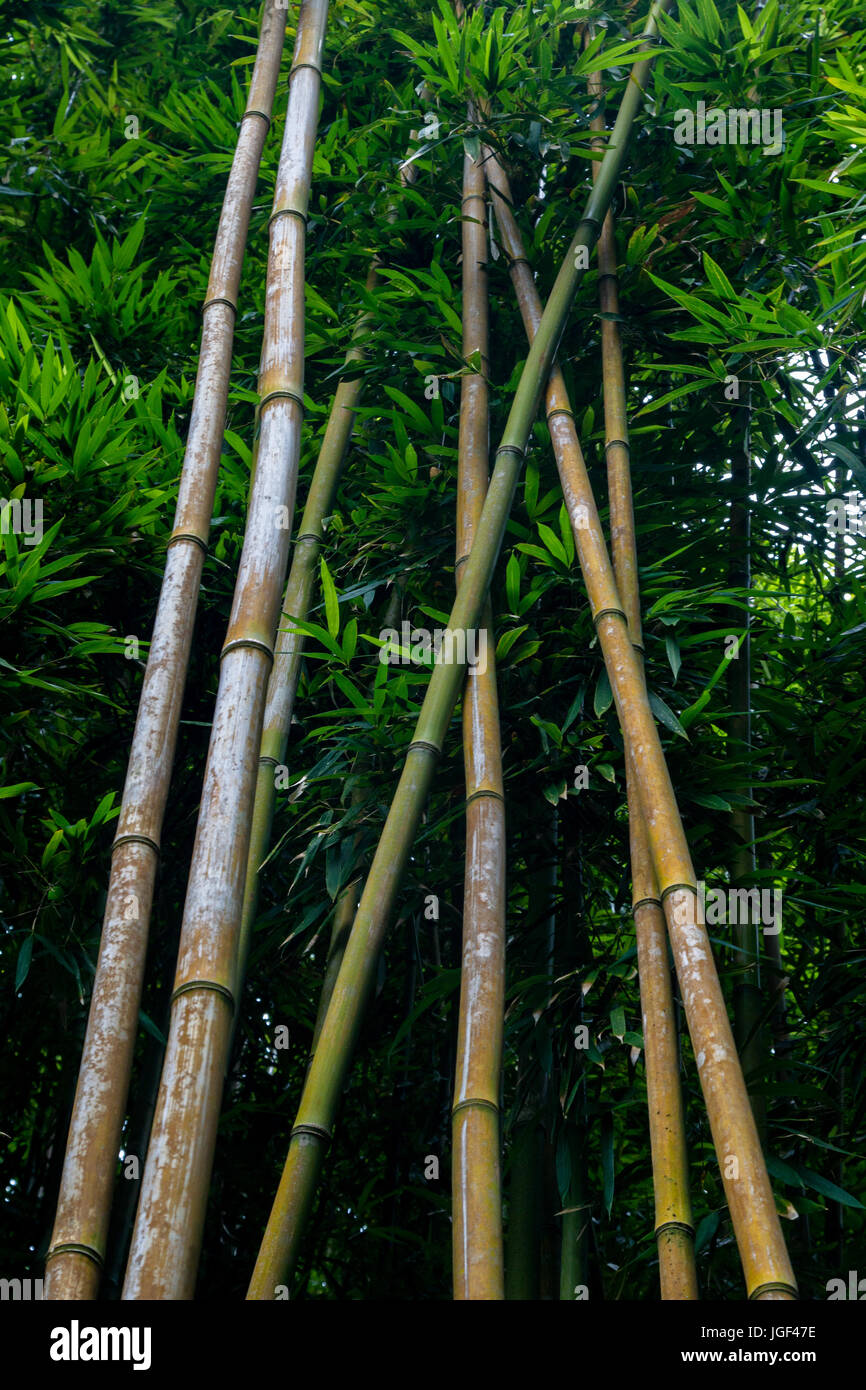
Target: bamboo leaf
{"x":332,"y":606}
{"x":607,"y":1161}
{"x":603,"y":698}
{"x":22,"y":965}
{"x":667,"y":716}
{"x":672,"y":648}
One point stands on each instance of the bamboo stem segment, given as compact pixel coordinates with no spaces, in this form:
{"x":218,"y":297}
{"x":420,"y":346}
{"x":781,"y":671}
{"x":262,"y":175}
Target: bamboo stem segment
{"x":673,"y":1212}
{"x":167,"y":1237}
{"x":77,"y":1247}
{"x":477,"y":1190}
{"x":329,"y":1065}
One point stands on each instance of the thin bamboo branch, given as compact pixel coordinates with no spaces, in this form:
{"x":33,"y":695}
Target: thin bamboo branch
{"x":673,"y":1211}
{"x":312,"y":1129}
{"x":766,"y":1265}
{"x":77,"y":1248}
{"x":476,"y":1179}
{"x":168,"y":1231}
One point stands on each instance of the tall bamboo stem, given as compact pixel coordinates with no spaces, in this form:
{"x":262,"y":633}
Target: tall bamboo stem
{"x":766,"y":1265}
{"x":748,"y":1003}
{"x":673,"y":1211}
{"x":476,"y":1179}
{"x":312,"y":1129}
{"x":77,"y":1249}
{"x":168,"y":1231}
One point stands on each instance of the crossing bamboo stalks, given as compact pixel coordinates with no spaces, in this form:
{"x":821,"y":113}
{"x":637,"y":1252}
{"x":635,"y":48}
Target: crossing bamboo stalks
{"x":77,"y":1248}
{"x":673,"y":1213}
{"x":300,"y":586}
{"x":312,"y":1130}
{"x":168,"y":1230}
{"x":476,"y":1180}
{"x":766,"y":1265}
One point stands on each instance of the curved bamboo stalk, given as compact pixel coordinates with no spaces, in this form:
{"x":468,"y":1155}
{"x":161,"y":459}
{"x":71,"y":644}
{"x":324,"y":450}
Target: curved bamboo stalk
{"x":673,"y":1210}
{"x":77,"y":1248}
{"x":476,"y":1180}
{"x":766,"y":1265}
{"x":170,"y":1219}
{"x":312,"y":1129}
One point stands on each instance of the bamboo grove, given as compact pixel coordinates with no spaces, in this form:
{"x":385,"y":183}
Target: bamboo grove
{"x":447,"y":422}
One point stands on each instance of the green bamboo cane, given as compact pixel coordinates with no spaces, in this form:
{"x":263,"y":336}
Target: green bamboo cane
{"x":312,"y":1129}
{"x":170,"y":1219}
{"x":476,"y":1180}
{"x":766,"y":1265}
{"x":673,"y":1213}
{"x":347,"y":904}
{"x":77,"y":1249}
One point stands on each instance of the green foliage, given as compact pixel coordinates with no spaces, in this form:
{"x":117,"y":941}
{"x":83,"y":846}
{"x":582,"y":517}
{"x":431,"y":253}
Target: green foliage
{"x":742,"y":286}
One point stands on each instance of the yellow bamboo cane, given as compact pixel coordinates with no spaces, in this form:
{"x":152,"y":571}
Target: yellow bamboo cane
{"x":673,"y":1212}
{"x":476,"y":1177}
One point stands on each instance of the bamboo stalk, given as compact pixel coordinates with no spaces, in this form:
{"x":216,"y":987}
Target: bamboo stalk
{"x":170,"y":1219}
{"x":526,"y":1206}
{"x":312,"y":1129}
{"x":673,"y":1212}
{"x":347,"y":905}
{"x":748,"y":1002}
{"x":476,"y":1179}
{"x":766,"y":1265}
{"x":77,"y":1249}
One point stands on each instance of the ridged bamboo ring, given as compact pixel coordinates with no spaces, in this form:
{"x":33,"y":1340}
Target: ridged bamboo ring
{"x":187,"y":536}
{"x":318,"y":1130}
{"x":254,"y":112}
{"x":134,"y":840}
{"x":281,"y":395}
{"x":779,"y":1287}
{"x":247,"y":642}
{"x":475,"y":1101}
{"x":220,"y":299}
{"x":204,"y":984}
{"x":70,"y":1247}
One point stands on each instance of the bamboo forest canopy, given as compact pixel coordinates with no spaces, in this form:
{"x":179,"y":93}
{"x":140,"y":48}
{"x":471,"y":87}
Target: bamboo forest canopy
{"x":444,"y":138}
